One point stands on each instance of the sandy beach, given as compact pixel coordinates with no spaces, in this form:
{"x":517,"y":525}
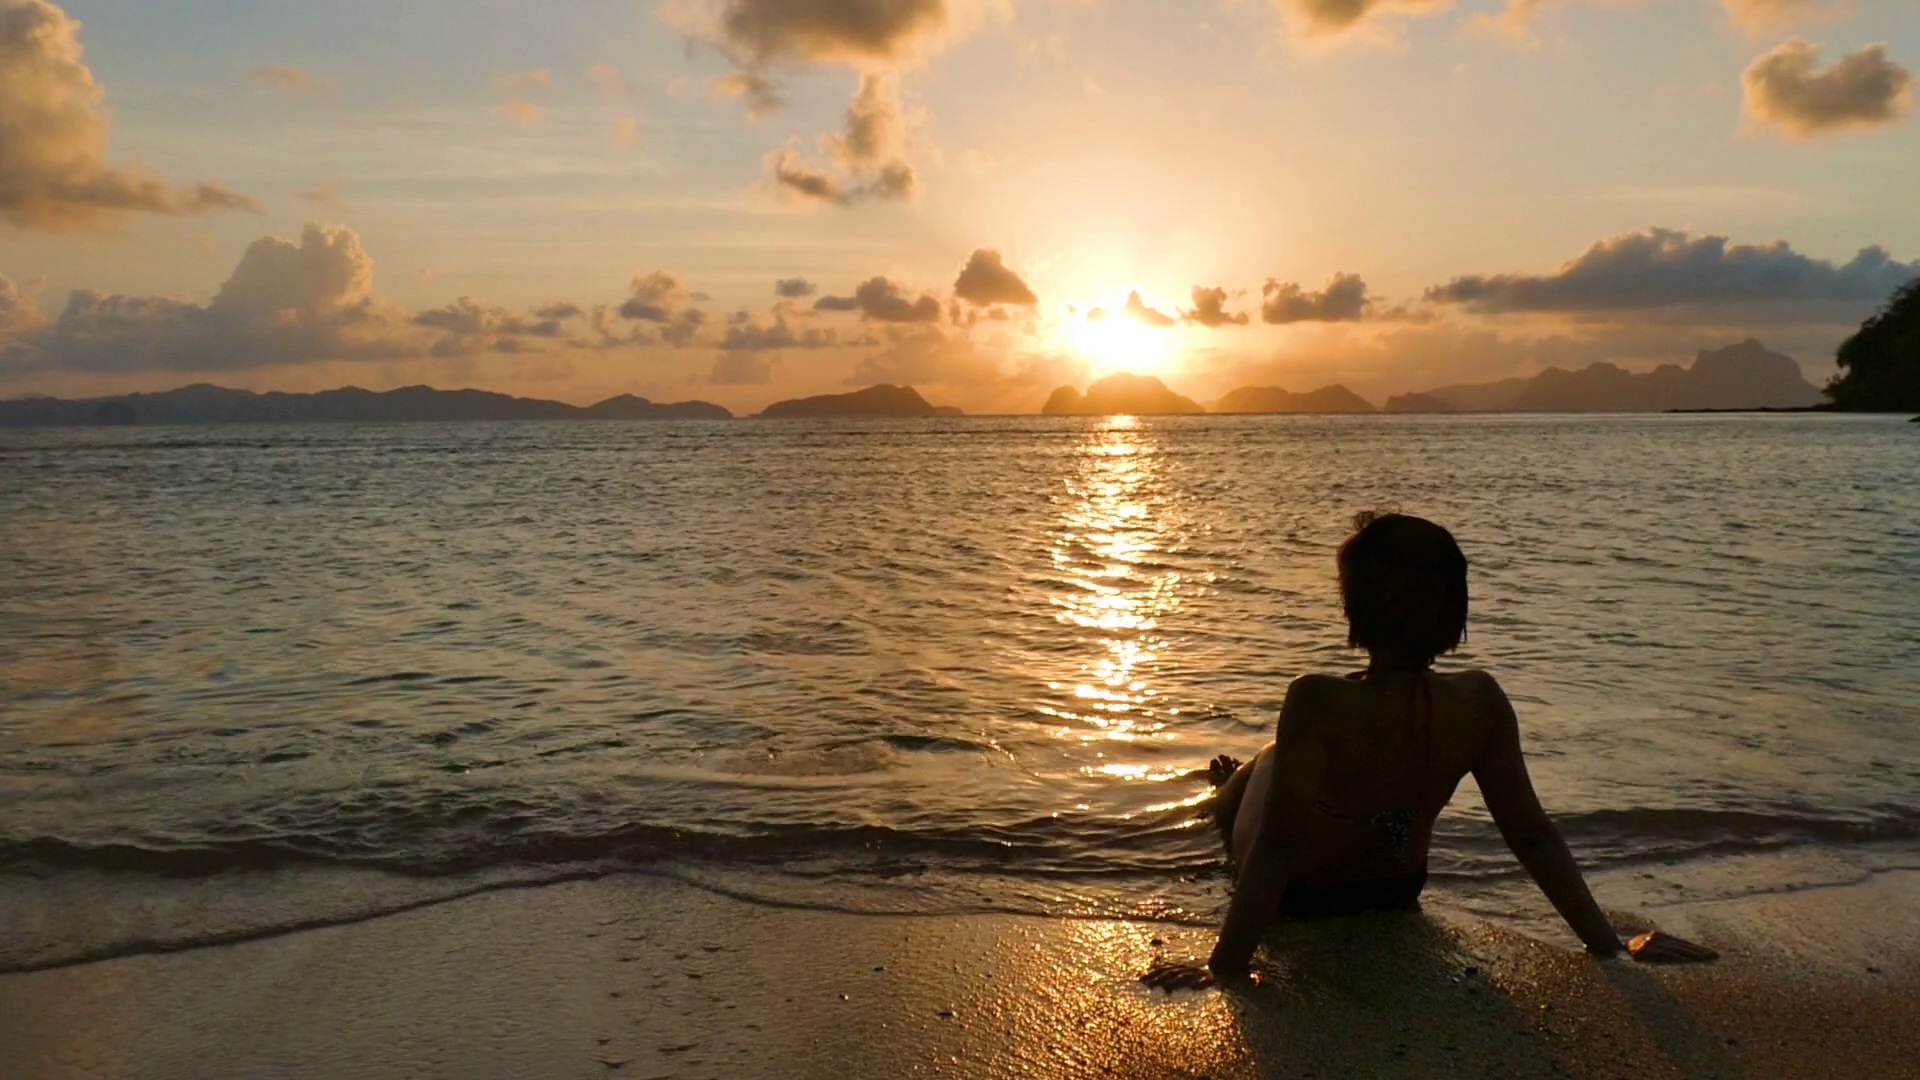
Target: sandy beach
{"x":645,"y":977}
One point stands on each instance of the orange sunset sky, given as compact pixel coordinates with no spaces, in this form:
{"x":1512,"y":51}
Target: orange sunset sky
{"x":746,"y":200}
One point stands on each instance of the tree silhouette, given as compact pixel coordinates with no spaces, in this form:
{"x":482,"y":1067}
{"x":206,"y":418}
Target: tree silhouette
{"x":1880,"y":363}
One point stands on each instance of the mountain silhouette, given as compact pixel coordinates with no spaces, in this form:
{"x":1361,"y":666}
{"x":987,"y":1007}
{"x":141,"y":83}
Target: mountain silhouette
{"x":1120,"y":395}
{"x":874,"y":401}
{"x":202,"y":403}
{"x":1743,"y":376}
{"x":1272,"y":399}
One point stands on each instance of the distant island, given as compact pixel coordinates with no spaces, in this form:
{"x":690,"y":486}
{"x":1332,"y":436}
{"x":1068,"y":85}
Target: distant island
{"x":206,"y":404}
{"x":874,"y":401}
{"x":1272,"y":399}
{"x":1120,"y":395}
{"x":1743,"y":376}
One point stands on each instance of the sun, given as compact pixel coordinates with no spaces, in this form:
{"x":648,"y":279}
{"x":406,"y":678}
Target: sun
{"x":1116,"y":345}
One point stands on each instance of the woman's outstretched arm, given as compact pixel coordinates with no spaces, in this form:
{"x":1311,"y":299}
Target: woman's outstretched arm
{"x":1501,"y":773}
{"x":1299,"y":765}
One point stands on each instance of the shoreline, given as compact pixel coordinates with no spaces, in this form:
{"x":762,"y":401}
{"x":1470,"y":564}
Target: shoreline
{"x":656,"y":978}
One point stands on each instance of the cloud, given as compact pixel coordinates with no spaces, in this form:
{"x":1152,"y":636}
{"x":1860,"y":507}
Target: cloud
{"x":867,"y":161}
{"x":1332,"y":18}
{"x":328,"y":193}
{"x":612,"y":85}
{"x":283,"y":303}
{"x":882,"y":301}
{"x":743,"y":368}
{"x":526,"y":113}
{"x":1138,"y":310}
{"x":1669,"y":268}
{"x":926,"y":355}
{"x":19,"y":308}
{"x":1756,"y":16}
{"x":626,"y":132}
{"x":986,"y":280}
{"x":1787,"y":89}
{"x":54,"y":171}
{"x":753,"y":336}
{"x":523,"y":80}
{"x":293,"y":80}
{"x":757,"y":34}
{"x":758,"y":91}
{"x":658,"y":298}
{"x":1343,"y":300}
{"x":794,"y":288}
{"x":467,"y":318}
{"x":868,"y":156}
{"x":1210,"y":309}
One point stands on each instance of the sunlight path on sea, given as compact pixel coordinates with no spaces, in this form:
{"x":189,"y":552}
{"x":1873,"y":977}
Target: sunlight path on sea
{"x":1114,"y":593}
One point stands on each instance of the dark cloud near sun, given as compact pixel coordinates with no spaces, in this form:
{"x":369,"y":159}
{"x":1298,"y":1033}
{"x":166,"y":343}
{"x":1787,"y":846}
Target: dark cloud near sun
{"x":54,"y":171}
{"x":987,"y":280}
{"x":1139,"y":311}
{"x":794,"y":288}
{"x":1660,"y":268}
{"x":1343,"y":300}
{"x":1787,"y":89}
{"x":1210,"y":309}
{"x":881,"y":300}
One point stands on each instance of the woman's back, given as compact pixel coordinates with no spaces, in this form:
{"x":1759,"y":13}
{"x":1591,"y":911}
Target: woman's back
{"x":1396,"y":745}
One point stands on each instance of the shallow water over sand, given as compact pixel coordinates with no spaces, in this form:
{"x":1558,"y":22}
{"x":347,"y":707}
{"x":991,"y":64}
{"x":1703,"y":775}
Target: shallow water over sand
{"x":259,"y":676}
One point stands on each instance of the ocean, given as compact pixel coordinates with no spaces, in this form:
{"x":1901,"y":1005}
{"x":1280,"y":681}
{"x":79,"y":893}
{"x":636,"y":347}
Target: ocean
{"x":260,"y":678}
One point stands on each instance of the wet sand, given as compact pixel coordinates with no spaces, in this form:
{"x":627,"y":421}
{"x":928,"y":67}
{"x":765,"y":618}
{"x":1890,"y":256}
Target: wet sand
{"x":642,"y":977}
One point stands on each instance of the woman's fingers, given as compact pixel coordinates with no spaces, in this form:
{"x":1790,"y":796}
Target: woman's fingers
{"x":1658,"y":948}
{"x":1171,"y":975}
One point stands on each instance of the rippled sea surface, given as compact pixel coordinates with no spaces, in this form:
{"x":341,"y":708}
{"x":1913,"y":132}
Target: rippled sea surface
{"x":255,"y":678}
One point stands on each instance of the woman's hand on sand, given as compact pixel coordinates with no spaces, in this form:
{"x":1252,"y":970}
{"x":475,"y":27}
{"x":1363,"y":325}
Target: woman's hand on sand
{"x":1654,"y":947}
{"x":1173,"y":975}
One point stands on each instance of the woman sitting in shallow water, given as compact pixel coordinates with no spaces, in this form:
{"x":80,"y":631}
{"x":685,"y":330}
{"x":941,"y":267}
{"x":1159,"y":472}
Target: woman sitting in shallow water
{"x":1335,"y":815}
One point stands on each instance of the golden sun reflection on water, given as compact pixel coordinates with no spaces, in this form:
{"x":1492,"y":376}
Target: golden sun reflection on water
{"x":1114,"y":595}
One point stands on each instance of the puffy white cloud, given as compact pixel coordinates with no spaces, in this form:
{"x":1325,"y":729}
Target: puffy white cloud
{"x":1343,"y":300}
{"x":1669,"y":268}
{"x":284,"y":303}
{"x":54,"y":171}
{"x":987,"y":280}
{"x":290,"y":302}
{"x":1787,"y":89}
{"x":1210,"y":309}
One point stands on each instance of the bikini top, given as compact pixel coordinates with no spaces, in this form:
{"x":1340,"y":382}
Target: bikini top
{"x":1390,"y":831}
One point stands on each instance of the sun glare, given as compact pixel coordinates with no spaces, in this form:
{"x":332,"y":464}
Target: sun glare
{"x":1118,"y":344}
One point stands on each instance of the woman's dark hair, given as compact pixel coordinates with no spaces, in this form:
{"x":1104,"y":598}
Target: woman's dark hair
{"x":1403,"y":582}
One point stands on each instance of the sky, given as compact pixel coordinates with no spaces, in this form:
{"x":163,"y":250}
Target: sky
{"x":741,"y":201}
